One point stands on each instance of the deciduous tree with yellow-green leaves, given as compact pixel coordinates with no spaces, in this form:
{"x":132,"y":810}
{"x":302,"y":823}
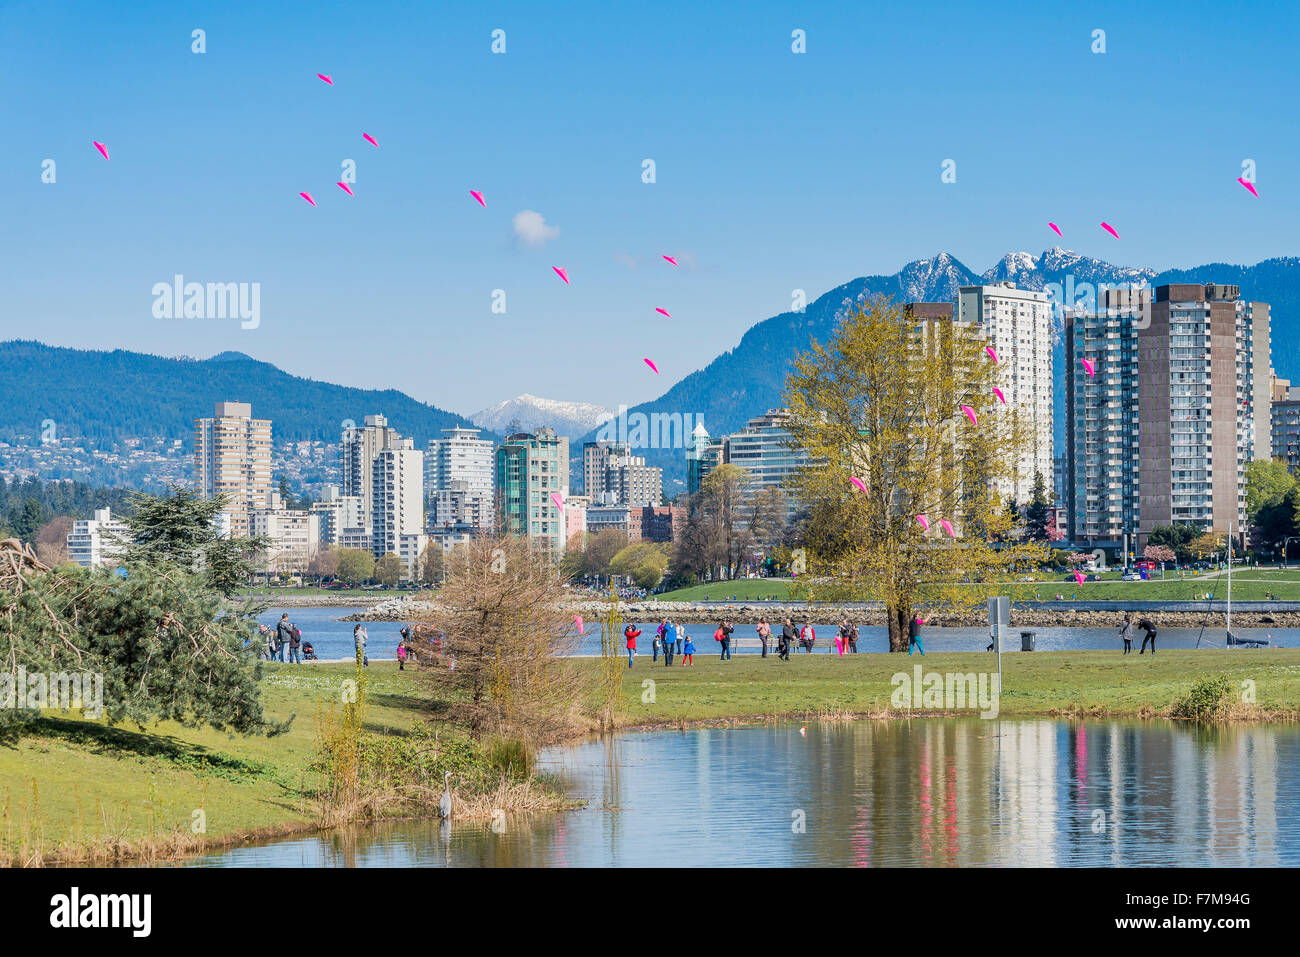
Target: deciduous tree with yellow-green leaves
{"x":882,"y":402}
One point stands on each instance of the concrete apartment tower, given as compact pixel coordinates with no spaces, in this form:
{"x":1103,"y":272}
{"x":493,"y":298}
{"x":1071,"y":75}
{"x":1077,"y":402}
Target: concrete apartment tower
{"x":1163,"y":430}
{"x":397,"y":514}
{"x":1018,"y":324}
{"x":361,"y":444}
{"x":232,"y":456}
{"x":458,"y":472}
{"x":530,"y":467}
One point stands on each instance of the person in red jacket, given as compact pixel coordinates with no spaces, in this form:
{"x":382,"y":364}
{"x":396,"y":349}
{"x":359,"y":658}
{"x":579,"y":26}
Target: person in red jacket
{"x":631,"y":632}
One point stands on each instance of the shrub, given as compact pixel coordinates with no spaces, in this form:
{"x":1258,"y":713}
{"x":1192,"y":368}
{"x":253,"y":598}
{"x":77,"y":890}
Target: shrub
{"x":1206,"y":703}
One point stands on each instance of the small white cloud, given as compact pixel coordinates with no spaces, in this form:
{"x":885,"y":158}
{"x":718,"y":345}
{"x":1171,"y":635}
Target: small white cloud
{"x":531,"y":228}
{"x":626,"y":259}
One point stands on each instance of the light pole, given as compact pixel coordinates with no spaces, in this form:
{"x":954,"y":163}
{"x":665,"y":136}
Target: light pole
{"x":1288,"y":538}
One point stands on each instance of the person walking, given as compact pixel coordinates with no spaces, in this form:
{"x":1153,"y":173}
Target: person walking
{"x":659,"y":640}
{"x":788,"y":636}
{"x":670,"y":640}
{"x":914,"y":637}
{"x":689,"y":649}
{"x":842,"y":636}
{"x":401,"y":656}
{"x":764,"y":633}
{"x":1149,"y":627}
{"x":295,"y":646}
{"x":630,"y":635}
{"x":359,"y":638}
{"x":283,"y":632}
{"x":723,"y":635}
{"x":1126,"y":632}
{"x":853,"y":638}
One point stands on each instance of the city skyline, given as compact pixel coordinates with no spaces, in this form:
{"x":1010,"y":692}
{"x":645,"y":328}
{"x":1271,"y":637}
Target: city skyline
{"x":208,"y":152}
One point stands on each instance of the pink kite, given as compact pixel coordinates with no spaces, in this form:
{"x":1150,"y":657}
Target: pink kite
{"x":858,"y":482}
{"x":307,"y":196}
{"x":102,"y":149}
{"x":479,"y":196}
{"x":1249,"y":185}
{"x":993,"y":354}
{"x":970,"y":414}
{"x":1078,"y":576}
{"x":562,"y":273}
{"x":325,"y":78}
{"x":1110,"y":229}
{"x":370,"y":139}
{"x":671,"y":260}
{"x":998,"y":393}
{"x":1055,"y":228}
{"x":1088,"y":368}
{"x":652,"y":366}
{"x":346,"y":189}
{"x":925,"y":523}
{"x":947,"y":527}
{"x":559,"y":502}
{"x":662,"y":311}
{"x":577,"y":620}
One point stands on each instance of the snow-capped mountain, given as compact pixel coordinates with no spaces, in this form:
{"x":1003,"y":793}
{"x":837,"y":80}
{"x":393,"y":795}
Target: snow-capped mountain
{"x":572,"y":419}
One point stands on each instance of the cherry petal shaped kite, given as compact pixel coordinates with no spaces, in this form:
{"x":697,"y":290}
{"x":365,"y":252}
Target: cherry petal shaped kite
{"x":652,"y":366}
{"x":558,"y":500}
{"x":1088,"y":368}
{"x":347,"y":189}
{"x":663,"y":312}
{"x":1249,"y":185}
{"x":924,"y":522}
{"x":993,"y":354}
{"x":307,"y":196}
{"x":1055,"y":228}
{"x":998,"y":393}
{"x":858,"y":482}
{"x":370,"y":139}
{"x":947,"y":527}
{"x":970,"y":414}
{"x":671,"y":260}
{"x":1110,"y":229}
{"x":102,"y":149}
{"x":577,"y":620}
{"x":325,"y":78}
{"x":562,"y":273}
{"x":479,"y":196}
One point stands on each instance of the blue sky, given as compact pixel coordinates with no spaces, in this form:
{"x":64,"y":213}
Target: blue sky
{"x":774,"y":170}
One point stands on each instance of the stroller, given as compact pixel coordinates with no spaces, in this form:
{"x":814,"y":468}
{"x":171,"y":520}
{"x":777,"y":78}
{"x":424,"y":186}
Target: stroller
{"x":308,"y":652}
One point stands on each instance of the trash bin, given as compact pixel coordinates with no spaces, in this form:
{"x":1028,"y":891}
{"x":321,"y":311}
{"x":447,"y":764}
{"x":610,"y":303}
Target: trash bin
{"x":1027,"y":640}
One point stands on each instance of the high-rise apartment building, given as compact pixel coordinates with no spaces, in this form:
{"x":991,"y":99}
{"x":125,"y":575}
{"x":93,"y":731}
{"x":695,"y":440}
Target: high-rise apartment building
{"x":361,"y":445}
{"x":458,"y":471}
{"x":763,"y":448}
{"x":397,"y":496}
{"x":1018,"y":324}
{"x":1162,"y":430}
{"x":232,"y":457}
{"x":627,"y":480}
{"x":595,"y":456}
{"x":530,"y":467}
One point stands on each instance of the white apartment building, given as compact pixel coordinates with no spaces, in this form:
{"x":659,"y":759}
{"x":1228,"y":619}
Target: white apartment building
{"x":1018,"y":325}
{"x":337,"y":512}
{"x":463,"y":464}
{"x":294,"y":537}
{"x":397,"y":483}
{"x":97,"y":541}
{"x":232,"y":457}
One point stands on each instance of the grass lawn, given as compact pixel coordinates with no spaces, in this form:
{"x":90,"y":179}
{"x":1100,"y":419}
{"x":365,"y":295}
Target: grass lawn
{"x":1038,"y":683}
{"x":74,"y":780}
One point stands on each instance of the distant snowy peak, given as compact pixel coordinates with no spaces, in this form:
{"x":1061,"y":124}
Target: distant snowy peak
{"x":933,"y":280}
{"x":572,"y":419}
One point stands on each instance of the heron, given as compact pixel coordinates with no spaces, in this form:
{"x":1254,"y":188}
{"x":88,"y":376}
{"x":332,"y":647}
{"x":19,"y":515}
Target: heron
{"x":444,"y":806}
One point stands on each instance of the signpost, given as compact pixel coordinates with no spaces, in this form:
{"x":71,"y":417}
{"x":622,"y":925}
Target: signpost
{"x":999,"y":618}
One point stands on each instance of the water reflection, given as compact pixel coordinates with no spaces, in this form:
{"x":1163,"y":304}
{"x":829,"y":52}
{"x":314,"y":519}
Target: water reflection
{"x":934,"y":793}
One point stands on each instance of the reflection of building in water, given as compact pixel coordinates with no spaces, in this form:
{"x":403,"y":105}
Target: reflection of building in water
{"x":1027,"y":793}
{"x":1240,"y":797}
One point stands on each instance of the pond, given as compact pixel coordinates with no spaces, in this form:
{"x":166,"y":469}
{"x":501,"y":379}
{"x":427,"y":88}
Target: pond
{"x":922,"y":793}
